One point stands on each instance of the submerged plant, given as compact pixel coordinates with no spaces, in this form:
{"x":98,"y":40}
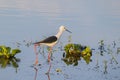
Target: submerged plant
{"x":118,"y":50}
{"x":105,"y":67}
{"x":101,"y":47}
{"x":107,"y":52}
{"x":74,"y":53}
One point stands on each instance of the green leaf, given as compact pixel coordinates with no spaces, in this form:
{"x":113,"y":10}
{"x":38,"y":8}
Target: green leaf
{"x":8,"y":49}
{"x":15,"y":51}
{"x":3,"y":50}
{"x":1,"y":54}
{"x":4,"y":62}
{"x":14,"y":63}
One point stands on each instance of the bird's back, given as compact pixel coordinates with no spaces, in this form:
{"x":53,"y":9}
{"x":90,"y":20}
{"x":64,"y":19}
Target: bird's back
{"x":50,"y":39}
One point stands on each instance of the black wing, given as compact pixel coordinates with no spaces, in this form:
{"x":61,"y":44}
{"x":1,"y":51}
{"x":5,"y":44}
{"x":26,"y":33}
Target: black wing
{"x":48,"y":40}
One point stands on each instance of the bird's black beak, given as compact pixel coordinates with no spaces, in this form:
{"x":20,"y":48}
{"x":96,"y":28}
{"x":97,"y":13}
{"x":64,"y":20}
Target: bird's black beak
{"x":68,"y":31}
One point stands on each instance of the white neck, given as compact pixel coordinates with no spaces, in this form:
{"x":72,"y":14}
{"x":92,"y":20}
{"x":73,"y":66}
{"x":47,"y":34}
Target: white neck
{"x":59,"y":34}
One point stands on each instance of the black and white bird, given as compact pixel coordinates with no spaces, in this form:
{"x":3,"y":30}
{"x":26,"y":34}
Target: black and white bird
{"x":50,"y":42}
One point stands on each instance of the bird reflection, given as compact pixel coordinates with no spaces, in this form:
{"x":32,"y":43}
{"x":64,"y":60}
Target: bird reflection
{"x":36,"y":73}
{"x":48,"y":75}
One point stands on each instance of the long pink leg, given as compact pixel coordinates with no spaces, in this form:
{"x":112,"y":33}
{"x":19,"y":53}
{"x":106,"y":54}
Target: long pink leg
{"x":49,"y":59}
{"x":49,"y":68}
{"x":35,"y":49}
{"x":49,"y":54}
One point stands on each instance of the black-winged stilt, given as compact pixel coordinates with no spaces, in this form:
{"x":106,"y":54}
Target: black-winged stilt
{"x":50,"y":42}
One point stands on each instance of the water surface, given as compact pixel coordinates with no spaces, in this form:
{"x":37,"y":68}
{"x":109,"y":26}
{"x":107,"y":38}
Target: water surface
{"x":89,"y":21}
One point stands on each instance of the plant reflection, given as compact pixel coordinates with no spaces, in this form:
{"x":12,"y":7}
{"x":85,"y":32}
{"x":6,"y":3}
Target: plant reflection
{"x":4,"y":62}
{"x":74,"y":53}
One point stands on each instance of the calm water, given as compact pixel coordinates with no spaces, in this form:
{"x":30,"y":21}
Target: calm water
{"x":89,"y":21}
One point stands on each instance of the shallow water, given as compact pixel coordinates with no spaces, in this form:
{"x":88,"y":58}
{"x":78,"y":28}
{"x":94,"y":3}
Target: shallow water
{"x":89,"y":21}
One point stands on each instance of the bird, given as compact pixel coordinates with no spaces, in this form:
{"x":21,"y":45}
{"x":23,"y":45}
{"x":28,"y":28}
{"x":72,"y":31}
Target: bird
{"x":50,"y":42}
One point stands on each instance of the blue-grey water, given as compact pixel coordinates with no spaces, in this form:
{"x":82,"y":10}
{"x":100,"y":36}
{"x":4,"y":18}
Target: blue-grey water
{"x":89,"y":20}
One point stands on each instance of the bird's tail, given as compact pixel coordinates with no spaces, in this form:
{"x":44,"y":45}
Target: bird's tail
{"x":36,"y":43}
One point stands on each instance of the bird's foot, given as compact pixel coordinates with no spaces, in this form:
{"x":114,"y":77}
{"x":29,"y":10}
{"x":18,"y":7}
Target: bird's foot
{"x":48,"y":60}
{"x":48,"y":72}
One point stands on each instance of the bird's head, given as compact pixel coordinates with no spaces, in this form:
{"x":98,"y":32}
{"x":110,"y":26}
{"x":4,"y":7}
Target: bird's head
{"x":62,"y":28}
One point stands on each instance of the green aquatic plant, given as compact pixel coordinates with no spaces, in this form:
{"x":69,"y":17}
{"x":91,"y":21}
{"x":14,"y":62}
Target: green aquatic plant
{"x":86,"y":54}
{"x":72,"y":48}
{"x":7,"y":57}
{"x":7,"y":52}
{"x":74,"y":53}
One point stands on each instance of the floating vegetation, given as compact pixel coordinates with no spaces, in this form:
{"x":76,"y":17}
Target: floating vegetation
{"x":58,"y":70}
{"x":74,"y":53}
{"x":7,"y":57}
{"x":27,"y":43}
{"x":101,"y":47}
{"x":7,"y":52}
{"x":118,"y":50}
{"x":107,"y":49}
{"x":108,"y":54}
{"x":105,"y":67}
